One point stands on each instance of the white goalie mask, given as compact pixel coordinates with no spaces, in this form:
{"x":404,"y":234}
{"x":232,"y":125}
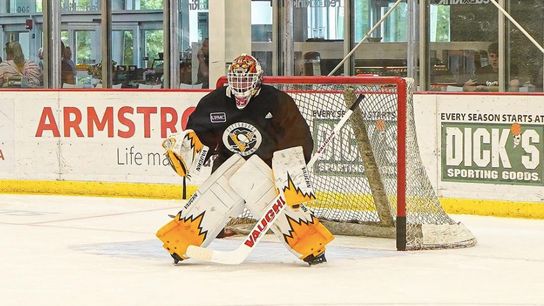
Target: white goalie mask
{"x":244,"y":78}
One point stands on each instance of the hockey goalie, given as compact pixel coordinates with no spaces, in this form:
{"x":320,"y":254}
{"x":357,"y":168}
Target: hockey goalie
{"x":262,"y":144}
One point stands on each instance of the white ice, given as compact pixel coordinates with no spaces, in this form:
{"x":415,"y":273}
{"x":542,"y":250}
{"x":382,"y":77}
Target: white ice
{"x":59,"y":250}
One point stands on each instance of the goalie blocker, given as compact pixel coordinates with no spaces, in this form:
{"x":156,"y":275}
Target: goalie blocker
{"x":251,"y":182}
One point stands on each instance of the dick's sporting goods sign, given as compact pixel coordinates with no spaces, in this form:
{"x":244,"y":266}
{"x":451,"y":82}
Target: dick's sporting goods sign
{"x":343,"y":157}
{"x":498,"y":153}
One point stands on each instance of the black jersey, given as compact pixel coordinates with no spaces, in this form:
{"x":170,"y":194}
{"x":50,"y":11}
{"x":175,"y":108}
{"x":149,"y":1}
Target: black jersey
{"x":271,"y":121}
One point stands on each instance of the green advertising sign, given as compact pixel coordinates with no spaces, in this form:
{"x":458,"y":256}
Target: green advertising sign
{"x":497,"y":153}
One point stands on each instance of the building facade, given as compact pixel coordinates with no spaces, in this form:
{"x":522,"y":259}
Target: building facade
{"x":446,"y":45}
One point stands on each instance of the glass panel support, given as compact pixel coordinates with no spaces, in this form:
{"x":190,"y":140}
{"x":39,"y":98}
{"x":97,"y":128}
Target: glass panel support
{"x":423,"y":45}
{"x":105,"y":25}
{"x":51,"y":38}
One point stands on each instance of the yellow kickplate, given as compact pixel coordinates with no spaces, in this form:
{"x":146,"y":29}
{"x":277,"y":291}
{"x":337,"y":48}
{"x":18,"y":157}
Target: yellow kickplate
{"x":178,"y":234}
{"x":308,"y":238}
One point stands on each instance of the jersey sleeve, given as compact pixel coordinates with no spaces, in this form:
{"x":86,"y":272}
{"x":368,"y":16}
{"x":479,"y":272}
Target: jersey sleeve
{"x":292,"y":129}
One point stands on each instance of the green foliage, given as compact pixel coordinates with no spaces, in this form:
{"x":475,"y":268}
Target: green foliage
{"x":83,"y":47}
{"x":83,"y":4}
{"x":128,"y":48}
{"x":443,"y":23}
{"x":151,"y":4}
{"x":154,"y":43}
{"x":64,"y":37}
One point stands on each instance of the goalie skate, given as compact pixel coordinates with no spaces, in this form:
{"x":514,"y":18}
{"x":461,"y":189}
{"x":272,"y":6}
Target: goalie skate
{"x":315,"y":260}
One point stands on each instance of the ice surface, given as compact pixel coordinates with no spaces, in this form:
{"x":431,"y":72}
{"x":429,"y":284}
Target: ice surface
{"x":59,"y":250}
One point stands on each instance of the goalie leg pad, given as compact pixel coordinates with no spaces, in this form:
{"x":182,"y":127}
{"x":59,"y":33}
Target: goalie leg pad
{"x":304,"y":231}
{"x":291,"y":176}
{"x":299,"y":230}
{"x":205,"y":213}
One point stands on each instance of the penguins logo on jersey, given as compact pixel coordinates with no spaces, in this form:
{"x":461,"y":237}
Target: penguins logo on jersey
{"x":242,"y":138}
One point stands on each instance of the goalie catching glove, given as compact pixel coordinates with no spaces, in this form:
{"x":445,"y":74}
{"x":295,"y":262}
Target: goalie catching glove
{"x":185,"y":152}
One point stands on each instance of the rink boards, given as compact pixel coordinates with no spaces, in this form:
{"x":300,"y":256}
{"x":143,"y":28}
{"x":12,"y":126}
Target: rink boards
{"x":485,"y":147}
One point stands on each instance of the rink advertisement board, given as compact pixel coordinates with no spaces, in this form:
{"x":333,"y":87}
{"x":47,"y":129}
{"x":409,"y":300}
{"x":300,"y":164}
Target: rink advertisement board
{"x":92,"y":135}
{"x":473,"y":146}
{"x":342,"y":156}
{"x":492,"y":153}
{"x":502,"y":144}
{"x":335,"y":162}
{"x":7,"y":128}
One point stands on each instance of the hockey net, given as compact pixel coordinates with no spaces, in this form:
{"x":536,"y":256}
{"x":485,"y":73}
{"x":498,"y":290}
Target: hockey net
{"x":370,"y":181}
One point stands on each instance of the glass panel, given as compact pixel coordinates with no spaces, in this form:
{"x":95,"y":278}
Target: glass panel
{"x":152,"y":44}
{"x":125,"y":69}
{"x":68,"y":73}
{"x":193,"y":39}
{"x":362,"y":19}
{"x":395,"y":27}
{"x":151,"y":4}
{"x":80,"y":62}
{"x":318,"y":36}
{"x":325,"y":22}
{"x":463,"y":47}
{"x":81,"y":44}
{"x":368,"y":13}
{"x":384,"y":52}
{"x":139,"y":4}
{"x":525,"y":64}
{"x":88,"y":73}
{"x":123,"y":48}
{"x":137,"y":43}
{"x":22,"y":6}
{"x":80,"y":5}
{"x":84,"y":52}
{"x":153,"y":41}
{"x":261,"y":34}
{"x":21,"y":64}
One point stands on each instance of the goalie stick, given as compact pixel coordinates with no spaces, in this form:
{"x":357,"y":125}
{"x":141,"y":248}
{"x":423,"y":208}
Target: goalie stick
{"x":276,"y":206}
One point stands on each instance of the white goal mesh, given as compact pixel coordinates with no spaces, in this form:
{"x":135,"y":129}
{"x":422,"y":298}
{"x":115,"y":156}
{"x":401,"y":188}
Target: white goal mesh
{"x":367,"y":182}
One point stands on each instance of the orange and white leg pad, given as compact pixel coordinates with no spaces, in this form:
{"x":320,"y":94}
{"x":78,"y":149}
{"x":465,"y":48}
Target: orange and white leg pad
{"x":205,"y":213}
{"x":299,"y":230}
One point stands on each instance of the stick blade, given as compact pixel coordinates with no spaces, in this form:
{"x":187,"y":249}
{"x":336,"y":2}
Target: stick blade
{"x":233,"y":257}
{"x":199,"y":253}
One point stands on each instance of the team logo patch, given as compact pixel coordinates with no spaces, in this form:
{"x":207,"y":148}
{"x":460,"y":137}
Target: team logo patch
{"x":242,"y":138}
{"x":218,"y":117}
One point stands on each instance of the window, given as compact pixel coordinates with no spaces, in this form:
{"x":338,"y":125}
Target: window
{"x":525,"y":64}
{"x":461,"y":37}
{"x":80,"y":5}
{"x":385,"y":50}
{"x":318,"y":36}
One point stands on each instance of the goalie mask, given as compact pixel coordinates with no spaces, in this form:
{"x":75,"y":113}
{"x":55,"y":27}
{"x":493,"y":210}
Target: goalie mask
{"x":244,"y":78}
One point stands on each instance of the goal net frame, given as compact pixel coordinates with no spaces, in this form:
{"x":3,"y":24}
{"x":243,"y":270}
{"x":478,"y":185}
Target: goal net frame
{"x":402,"y":96}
